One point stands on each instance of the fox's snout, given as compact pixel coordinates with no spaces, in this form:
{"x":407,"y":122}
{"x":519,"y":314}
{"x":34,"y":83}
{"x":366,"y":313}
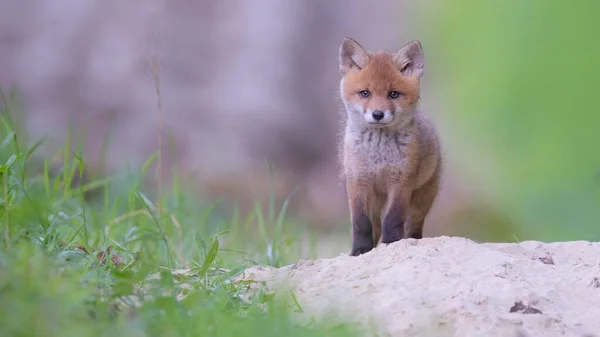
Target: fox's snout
{"x":378,"y":115}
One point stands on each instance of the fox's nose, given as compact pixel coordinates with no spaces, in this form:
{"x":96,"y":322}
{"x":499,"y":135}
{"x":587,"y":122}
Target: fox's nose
{"x":378,"y":115}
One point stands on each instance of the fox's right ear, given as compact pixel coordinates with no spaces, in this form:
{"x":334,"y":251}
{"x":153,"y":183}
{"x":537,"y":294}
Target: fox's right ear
{"x":353,"y":56}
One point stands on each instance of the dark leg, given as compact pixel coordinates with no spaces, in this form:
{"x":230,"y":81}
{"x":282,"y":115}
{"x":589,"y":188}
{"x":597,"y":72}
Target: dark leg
{"x":395,"y":213}
{"x":393,"y":222}
{"x":362,"y":231}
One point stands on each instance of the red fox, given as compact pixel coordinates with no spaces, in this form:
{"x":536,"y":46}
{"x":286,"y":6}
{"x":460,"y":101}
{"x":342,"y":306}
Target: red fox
{"x":390,"y":150}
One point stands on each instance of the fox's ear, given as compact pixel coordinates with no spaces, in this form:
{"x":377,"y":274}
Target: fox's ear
{"x":410,"y":59}
{"x":353,"y":56}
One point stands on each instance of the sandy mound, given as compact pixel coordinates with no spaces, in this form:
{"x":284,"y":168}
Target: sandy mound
{"x":452,"y":287}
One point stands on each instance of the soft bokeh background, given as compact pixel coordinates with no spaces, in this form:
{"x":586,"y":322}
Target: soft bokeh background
{"x":512,"y":86}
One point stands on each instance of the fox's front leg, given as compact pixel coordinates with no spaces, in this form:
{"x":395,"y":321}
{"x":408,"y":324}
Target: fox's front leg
{"x":362,"y":230}
{"x":395,"y":212}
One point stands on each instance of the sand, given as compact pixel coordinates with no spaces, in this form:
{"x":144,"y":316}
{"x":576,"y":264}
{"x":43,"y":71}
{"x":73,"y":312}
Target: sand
{"x":450,"y":286}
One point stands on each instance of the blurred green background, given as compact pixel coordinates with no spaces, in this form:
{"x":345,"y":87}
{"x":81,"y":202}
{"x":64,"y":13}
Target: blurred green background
{"x":518,"y":86}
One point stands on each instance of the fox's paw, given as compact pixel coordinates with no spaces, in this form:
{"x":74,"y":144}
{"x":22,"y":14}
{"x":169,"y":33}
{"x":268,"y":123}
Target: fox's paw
{"x":360,"y":250}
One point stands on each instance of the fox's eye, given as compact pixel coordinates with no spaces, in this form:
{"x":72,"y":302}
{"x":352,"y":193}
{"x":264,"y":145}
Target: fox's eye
{"x":365,"y":93}
{"x":394,"y":94}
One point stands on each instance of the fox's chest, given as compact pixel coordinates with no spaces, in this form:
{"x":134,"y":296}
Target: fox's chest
{"x":377,"y":154}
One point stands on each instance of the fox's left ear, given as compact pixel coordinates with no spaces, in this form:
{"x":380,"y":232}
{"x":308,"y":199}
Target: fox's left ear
{"x":410,"y":59}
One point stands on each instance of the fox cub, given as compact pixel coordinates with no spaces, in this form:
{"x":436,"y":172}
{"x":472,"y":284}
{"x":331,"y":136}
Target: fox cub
{"x":390,"y":149}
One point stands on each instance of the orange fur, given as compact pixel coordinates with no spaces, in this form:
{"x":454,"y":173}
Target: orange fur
{"x":380,"y":76}
{"x":390,"y":149}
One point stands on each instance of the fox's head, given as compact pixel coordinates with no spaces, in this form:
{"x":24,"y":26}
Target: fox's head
{"x":380,"y":88}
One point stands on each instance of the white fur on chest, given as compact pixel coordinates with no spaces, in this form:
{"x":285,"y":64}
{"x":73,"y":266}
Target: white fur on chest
{"x":372,"y":152}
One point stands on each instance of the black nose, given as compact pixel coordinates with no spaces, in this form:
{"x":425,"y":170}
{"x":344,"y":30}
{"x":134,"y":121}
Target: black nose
{"x":378,"y":115}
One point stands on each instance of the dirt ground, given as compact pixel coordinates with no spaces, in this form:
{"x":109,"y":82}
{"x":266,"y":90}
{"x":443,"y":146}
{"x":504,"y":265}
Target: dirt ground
{"x":450,"y":286}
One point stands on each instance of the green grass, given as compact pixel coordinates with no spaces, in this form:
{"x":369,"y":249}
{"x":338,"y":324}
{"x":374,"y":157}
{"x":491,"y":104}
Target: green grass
{"x":113,"y":264}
